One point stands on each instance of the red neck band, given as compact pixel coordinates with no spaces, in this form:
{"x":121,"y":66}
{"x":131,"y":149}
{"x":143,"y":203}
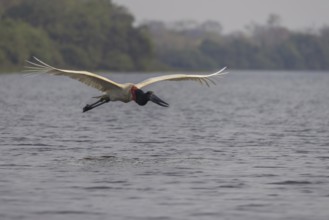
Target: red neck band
{"x":132,"y":91}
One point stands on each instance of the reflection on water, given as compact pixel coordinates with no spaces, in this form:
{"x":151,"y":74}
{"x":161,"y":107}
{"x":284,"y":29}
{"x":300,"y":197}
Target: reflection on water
{"x":253,"y":147}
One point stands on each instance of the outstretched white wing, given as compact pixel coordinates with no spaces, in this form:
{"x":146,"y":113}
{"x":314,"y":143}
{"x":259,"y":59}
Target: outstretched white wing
{"x":96,"y":81}
{"x":179,"y":77}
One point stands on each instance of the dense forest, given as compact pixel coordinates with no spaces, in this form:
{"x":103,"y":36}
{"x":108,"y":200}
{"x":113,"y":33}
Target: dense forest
{"x":192,"y":46}
{"x":92,"y":34}
{"x":100,"y":35}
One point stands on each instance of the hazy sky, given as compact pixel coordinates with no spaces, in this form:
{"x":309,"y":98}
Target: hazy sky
{"x":233,"y":14}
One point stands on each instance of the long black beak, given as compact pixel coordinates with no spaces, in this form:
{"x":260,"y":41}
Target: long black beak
{"x":158,"y":101}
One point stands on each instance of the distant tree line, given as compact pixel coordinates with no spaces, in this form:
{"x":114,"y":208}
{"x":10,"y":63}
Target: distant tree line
{"x":271,"y":46}
{"x":100,"y":35}
{"x":92,"y":34}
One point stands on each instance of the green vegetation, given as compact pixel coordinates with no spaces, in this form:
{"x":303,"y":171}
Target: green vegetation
{"x":99,"y":35}
{"x":92,"y":34}
{"x":193,"y":46}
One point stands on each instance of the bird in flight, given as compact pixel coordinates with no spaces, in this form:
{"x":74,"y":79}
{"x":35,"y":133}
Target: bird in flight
{"x":113,"y":91}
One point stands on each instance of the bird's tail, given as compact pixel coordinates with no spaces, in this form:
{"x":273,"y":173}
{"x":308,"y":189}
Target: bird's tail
{"x":97,"y":97}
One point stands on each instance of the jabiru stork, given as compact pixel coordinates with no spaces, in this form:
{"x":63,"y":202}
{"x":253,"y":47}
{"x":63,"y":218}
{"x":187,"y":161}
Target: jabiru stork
{"x":113,"y":91}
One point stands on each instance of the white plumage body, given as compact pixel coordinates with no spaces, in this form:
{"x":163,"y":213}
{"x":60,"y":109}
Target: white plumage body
{"x":122,"y":94}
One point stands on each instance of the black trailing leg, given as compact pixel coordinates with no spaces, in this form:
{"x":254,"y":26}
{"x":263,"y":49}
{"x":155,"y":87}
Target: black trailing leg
{"x":102,"y":101}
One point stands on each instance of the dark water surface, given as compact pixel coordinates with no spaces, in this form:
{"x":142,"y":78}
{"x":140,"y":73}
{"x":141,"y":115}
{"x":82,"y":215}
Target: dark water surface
{"x":256,"y":146}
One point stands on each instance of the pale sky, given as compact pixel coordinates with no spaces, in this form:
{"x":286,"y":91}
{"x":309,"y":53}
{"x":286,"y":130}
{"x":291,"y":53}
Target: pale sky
{"x":233,"y":14}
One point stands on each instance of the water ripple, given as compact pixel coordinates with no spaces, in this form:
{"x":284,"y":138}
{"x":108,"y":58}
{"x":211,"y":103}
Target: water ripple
{"x":254,"y":147}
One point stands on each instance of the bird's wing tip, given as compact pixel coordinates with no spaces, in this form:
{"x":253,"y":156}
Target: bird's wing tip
{"x":37,"y":66}
{"x":220,"y":72}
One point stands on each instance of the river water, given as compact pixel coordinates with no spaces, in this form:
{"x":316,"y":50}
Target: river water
{"x":256,"y":146}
